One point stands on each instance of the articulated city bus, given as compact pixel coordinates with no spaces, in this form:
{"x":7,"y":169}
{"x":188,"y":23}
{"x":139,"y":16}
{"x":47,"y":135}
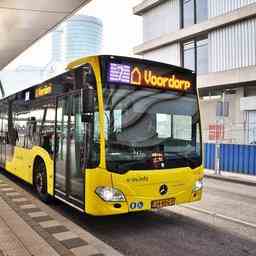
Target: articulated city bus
{"x":112,"y":135}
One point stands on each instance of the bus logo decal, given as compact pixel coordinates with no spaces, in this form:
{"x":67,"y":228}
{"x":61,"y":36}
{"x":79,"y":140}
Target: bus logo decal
{"x":163,"y":189}
{"x":136,"y":76}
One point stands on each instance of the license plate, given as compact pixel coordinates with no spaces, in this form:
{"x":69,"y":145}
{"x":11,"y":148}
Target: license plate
{"x":156,"y":204}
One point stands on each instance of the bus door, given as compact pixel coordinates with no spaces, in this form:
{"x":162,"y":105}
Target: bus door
{"x":3,"y":137}
{"x":1,"y":140}
{"x":69,"y":150}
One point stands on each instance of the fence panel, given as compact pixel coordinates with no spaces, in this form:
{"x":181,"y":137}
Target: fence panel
{"x":209,"y":156}
{"x":233,"y":158}
{"x":238,"y":158}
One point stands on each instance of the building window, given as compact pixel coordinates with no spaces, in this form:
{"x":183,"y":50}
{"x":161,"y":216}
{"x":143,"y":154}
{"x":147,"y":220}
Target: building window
{"x":222,"y":109}
{"x":201,"y":10}
{"x":202,"y":56}
{"x":189,"y":55}
{"x":193,"y":12}
{"x":188,"y":13}
{"x":195,"y":55}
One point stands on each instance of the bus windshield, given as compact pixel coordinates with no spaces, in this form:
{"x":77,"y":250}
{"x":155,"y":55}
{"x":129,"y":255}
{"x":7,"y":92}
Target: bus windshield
{"x":149,"y":129}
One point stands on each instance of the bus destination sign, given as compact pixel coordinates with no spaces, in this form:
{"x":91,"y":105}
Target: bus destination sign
{"x":43,"y":90}
{"x":148,"y":77}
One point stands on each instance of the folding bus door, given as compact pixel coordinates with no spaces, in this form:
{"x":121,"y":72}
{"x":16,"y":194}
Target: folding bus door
{"x":69,"y":150}
{"x":3,"y":138}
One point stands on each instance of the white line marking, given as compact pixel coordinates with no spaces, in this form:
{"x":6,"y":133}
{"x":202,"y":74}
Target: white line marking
{"x":221,"y":216}
{"x":20,"y":200}
{"x":37,"y":214}
{"x":49,"y":223}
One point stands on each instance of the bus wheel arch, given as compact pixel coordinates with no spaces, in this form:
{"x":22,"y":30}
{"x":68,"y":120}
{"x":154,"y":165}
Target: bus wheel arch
{"x":40,"y":178}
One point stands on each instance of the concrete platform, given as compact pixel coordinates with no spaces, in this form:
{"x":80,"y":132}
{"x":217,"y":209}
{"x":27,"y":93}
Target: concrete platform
{"x":28,"y":228}
{"x":232,"y":177}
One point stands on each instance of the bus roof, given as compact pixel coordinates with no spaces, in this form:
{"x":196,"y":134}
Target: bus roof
{"x":78,"y":62}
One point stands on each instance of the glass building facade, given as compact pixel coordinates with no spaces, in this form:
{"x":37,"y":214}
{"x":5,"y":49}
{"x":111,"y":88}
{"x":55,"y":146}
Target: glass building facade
{"x":77,"y":37}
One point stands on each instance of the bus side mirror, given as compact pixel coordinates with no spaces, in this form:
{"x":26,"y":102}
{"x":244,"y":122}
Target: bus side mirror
{"x":88,"y":101}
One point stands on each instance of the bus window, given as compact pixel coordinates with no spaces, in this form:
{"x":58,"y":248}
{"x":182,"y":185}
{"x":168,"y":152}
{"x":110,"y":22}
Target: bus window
{"x":163,"y":128}
{"x":182,"y":127}
{"x":20,"y":122}
{"x":47,"y":129}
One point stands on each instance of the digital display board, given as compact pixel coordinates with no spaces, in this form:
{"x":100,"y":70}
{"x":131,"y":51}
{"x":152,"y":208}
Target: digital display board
{"x":43,"y":90}
{"x":144,"y":76}
{"x":119,"y":73}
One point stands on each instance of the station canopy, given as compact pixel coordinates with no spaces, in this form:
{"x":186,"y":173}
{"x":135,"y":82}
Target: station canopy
{"x":23,"y":22}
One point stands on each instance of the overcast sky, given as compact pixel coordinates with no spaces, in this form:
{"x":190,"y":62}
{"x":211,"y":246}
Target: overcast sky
{"x":122,"y":31}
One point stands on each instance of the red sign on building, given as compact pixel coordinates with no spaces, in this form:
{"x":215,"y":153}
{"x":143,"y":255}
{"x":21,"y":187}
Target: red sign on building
{"x":216,"y":132}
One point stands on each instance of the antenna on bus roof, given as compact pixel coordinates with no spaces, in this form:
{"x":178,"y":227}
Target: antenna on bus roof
{"x":2,"y":89}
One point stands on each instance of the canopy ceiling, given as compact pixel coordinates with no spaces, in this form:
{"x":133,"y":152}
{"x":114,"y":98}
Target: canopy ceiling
{"x":23,"y":22}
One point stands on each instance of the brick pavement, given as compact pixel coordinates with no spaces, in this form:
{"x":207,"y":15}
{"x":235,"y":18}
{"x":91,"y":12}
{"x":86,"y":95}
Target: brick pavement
{"x":26,"y":229}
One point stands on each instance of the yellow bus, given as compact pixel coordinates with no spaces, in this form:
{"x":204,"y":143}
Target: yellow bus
{"x":111,"y":135}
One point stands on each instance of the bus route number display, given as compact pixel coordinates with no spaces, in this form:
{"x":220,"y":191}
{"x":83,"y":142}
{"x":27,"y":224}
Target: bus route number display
{"x":139,"y":76}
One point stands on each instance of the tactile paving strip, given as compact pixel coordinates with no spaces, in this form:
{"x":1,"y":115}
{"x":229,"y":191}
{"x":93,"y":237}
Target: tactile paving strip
{"x":64,"y":241}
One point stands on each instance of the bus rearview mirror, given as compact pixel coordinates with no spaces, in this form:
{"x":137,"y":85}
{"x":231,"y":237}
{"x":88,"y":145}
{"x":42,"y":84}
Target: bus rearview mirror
{"x":88,"y":101}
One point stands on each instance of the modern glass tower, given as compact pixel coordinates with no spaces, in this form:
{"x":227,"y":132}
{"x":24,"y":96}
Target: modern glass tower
{"x":79,"y":36}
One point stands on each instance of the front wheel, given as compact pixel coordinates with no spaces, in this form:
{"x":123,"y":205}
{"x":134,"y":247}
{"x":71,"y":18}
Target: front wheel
{"x":40,"y":181}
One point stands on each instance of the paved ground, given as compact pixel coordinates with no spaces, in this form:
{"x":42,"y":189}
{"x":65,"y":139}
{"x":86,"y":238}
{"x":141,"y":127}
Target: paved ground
{"x":29,"y":228}
{"x":233,"y":200}
{"x":176,"y":231}
{"x":230,"y":176}
{"x":181,"y":231}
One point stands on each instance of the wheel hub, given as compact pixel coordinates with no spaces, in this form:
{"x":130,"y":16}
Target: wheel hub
{"x":39,"y":182}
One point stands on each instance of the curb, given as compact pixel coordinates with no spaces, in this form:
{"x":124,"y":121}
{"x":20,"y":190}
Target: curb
{"x":231,"y":179}
{"x":221,"y":216}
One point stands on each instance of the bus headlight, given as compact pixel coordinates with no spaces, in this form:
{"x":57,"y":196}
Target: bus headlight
{"x":198,"y":185}
{"x":110,"y":194}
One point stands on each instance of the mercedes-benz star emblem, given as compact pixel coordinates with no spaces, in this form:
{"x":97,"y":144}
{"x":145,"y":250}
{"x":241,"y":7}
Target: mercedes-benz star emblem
{"x":163,"y":189}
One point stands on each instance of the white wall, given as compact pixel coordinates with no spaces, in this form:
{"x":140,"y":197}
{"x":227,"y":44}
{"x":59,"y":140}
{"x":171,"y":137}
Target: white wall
{"x":220,"y":7}
{"x":234,"y":131}
{"x":169,"y":54}
{"x":165,"y":18}
{"x":233,"y":46}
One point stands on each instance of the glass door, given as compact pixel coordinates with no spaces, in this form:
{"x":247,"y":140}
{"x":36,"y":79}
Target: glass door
{"x":77,"y":151}
{"x":3,"y":138}
{"x":61,"y":144}
{"x":70,"y":150}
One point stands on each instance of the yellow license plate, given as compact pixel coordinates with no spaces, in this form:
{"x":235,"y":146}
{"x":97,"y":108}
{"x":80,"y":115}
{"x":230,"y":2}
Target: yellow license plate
{"x":156,"y":204}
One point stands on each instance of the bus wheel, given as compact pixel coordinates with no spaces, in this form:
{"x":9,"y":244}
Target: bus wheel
{"x":40,"y":180}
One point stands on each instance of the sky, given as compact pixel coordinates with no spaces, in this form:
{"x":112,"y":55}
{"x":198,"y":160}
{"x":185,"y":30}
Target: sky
{"x":121,"y":32}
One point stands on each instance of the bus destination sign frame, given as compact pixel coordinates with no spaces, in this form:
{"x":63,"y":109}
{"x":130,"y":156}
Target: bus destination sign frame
{"x":151,"y":77}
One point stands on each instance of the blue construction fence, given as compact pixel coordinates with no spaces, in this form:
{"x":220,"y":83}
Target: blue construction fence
{"x":233,"y":158}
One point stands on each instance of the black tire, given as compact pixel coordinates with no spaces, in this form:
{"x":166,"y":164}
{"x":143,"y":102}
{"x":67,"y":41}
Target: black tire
{"x":40,"y":180}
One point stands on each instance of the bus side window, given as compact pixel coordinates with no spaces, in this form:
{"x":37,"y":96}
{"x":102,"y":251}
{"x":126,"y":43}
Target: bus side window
{"x":47,"y":129}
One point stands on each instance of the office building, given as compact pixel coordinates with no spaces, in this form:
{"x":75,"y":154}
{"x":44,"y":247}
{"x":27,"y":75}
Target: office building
{"x":216,"y":39}
{"x":78,"y":36}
